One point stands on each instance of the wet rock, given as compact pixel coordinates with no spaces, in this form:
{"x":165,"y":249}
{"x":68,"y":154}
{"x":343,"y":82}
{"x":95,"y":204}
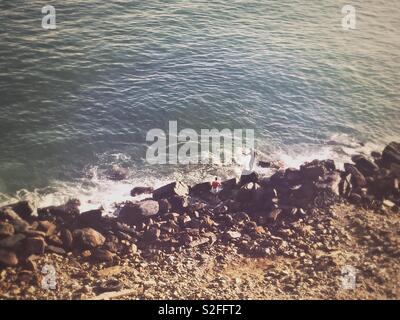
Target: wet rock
{"x":6,"y":229}
{"x":8,"y":259}
{"x":141,"y":190}
{"x":34,"y":245}
{"x":365,"y":166}
{"x":173,"y":189}
{"x":54,"y":249}
{"x":55,"y":240}
{"x":135,"y":213}
{"x":229,"y":184}
{"x":91,"y":219}
{"x":179,"y":203}
{"x":88,"y":238}
{"x":247,"y":192}
{"x":357,"y":178}
{"x":66,"y":238}
{"x":117,"y":173}
{"x":18,"y":223}
{"x":200,"y":189}
{"x":13,"y":241}
{"x":247,"y":178}
{"x":47,"y":227}
{"x":395,"y":170}
{"x":164,"y":206}
{"x":24,"y":209}
{"x":293,"y":176}
{"x":312,"y":171}
{"x":264,"y":164}
{"x":67,"y":211}
{"x":391,"y":154}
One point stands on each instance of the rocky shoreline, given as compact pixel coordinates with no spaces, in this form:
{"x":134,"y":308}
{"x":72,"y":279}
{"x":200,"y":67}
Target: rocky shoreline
{"x":169,"y":244}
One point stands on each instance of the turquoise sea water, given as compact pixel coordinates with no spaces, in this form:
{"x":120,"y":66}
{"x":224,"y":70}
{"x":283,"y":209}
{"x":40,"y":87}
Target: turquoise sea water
{"x":77,"y":99}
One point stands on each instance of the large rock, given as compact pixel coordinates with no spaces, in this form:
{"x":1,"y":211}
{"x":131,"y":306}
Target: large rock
{"x":293,"y":176}
{"x":173,"y":189}
{"x":47,"y":227}
{"x":92,"y":219}
{"x":200,"y":189}
{"x":312,"y":171}
{"x":102,"y":255}
{"x":6,"y":230}
{"x":67,"y":211}
{"x":365,"y":166}
{"x":66,"y":238}
{"x":18,"y":223}
{"x":247,"y":178}
{"x":8,"y":259}
{"x":24,"y":209}
{"x":12,"y":242}
{"x":357,"y":178}
{"x":34,"y":245}
{"x":88,"y":238}
{"x":391,"y":154}
{"x":135,"y":213}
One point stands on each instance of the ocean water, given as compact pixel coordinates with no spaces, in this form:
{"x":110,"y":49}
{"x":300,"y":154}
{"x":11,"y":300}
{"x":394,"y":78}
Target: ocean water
{"x":75,"y":100}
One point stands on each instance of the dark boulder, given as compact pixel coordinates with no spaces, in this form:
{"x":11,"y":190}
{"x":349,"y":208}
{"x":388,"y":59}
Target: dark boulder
{"x":391,"y":154}
{"x":164,"y":206}
{"x":67,"y":212}
{"x":312,"y":171}
{"x":102,"y":255}
{"x":141,"y":190}
{"x":357,"y":178}
{"x":247,"y":178}
{"x":365,"y":166}
{"x":18,"y":223}
{"x":24,"y":209}
{"x":6,"y":229}
{"x":88,"y":238}
{"x":179,"y":203}
{"x":8,"y":259}
{"x":54,"y":249}
{"x":293,"y":176}
{"x":47,"y":227}
{"x":135,"y":213}
{"x":34,"y":245}
{"x":12,"y":242}
{"x":173,"y":189}
{"x":66,"y":238}
{"x":200,"y":189}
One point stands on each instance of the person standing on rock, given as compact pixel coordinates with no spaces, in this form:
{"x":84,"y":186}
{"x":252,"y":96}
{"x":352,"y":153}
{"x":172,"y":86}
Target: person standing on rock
{"x":215,"y":188}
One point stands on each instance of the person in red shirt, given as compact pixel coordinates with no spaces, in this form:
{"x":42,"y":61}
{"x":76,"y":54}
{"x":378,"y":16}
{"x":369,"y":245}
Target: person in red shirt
{"x":215,"y":187}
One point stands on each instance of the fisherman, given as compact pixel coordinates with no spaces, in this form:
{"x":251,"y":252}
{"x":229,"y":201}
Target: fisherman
{"x":215,"y":188}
